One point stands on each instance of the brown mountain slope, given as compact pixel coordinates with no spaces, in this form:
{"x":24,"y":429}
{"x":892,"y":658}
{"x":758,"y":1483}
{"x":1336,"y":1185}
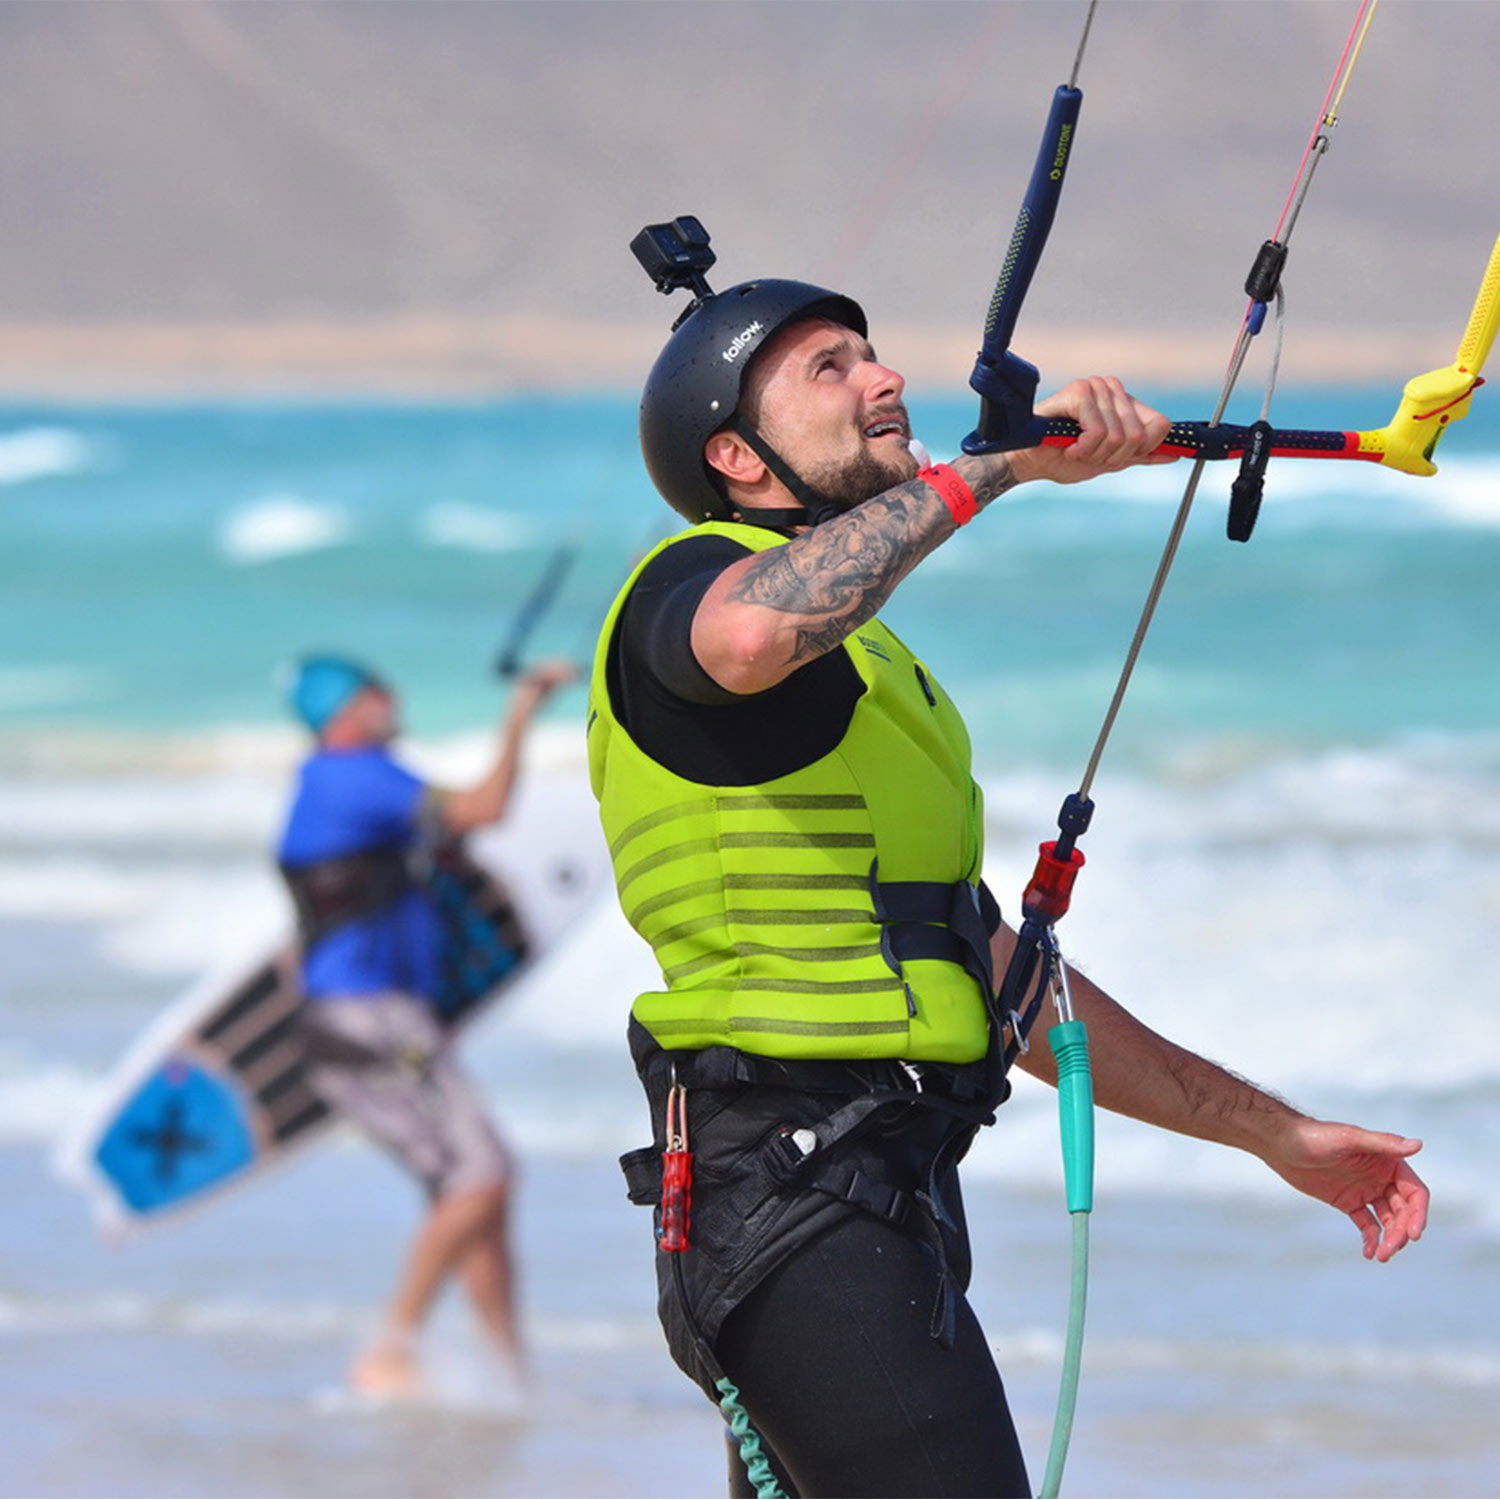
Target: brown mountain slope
{"x":443,"y":192}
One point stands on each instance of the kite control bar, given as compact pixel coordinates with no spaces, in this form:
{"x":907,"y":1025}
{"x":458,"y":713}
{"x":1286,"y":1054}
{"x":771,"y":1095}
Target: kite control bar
{"x":1006,"y":383}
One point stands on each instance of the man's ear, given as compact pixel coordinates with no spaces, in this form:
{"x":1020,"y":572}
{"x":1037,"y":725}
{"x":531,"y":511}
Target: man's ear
{"x":734,"y":458}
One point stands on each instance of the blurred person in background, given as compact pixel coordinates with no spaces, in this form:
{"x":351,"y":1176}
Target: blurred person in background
{"x":378,"y":1049}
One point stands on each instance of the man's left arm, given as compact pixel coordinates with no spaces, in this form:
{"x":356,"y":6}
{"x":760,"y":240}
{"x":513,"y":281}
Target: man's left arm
{"x":1137,"y":1072}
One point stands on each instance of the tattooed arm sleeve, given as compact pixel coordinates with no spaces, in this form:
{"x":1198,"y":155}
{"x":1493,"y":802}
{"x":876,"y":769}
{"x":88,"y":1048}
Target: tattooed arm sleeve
{"x":775,"y":611}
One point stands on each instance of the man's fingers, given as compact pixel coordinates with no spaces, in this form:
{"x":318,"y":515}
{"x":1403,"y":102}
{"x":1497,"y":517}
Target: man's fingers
{"x":1394,"y":1219}
{"x":1369,"y":1230}
{"x":1117,"y":430}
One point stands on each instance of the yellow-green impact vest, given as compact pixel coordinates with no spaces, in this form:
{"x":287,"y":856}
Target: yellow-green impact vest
{"x":758,"y":900}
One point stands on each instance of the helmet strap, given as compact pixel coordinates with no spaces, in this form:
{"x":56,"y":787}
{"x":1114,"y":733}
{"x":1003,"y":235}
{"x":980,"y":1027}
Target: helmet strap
{"x":815,"y":508}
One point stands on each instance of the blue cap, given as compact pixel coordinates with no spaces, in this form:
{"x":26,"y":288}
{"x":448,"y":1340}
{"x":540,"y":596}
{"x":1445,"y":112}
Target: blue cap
{"x":321,"y":685}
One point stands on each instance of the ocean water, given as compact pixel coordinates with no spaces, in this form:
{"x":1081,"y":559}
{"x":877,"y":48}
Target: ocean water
{"x":1294,"y":868}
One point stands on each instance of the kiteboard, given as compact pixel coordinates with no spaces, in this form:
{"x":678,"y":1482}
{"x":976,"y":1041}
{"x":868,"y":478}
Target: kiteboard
{"x":214,"y":1093}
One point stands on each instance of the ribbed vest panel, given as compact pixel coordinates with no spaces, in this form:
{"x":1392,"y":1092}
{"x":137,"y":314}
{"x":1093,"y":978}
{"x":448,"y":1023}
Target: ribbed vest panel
{"x":758,"y":900}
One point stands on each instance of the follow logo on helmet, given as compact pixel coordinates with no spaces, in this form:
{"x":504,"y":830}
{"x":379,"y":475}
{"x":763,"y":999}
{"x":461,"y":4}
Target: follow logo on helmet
{"x":741,"y":341}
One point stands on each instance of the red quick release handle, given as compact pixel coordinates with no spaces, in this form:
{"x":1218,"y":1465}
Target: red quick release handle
{"x":676,"y":1199}
{"x":1051,"y":889}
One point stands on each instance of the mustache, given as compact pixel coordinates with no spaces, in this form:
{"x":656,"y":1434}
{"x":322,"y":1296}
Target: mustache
{"x":894,"y":412}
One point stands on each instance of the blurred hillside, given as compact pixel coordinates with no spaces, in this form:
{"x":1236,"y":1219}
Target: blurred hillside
{"x":432,"y":194}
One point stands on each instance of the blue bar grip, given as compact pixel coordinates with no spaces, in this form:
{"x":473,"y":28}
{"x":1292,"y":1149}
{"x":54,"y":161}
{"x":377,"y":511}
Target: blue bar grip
{"x":1005,"y":383}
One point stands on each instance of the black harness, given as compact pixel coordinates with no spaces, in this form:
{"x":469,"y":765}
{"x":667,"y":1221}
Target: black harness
{"x":783,"y":1151}
{"x":332,"y":892}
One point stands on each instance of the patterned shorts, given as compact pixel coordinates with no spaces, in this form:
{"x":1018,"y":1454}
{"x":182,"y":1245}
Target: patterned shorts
{"x":385,"y":1062}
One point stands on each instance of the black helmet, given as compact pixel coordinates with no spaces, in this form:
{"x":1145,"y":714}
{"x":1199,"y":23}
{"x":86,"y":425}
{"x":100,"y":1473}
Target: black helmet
{"x":694,"y":387}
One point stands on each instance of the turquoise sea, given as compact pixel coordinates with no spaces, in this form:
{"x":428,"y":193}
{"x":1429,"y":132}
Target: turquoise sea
{"x":1294,"y":867}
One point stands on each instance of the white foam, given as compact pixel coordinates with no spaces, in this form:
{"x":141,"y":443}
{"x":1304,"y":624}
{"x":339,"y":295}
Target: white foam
{"x":452,"y":1349}
{"x":1297,"y":919}
{"x":41,"y":452}
{"x":455,"y":523}
{"x":127,"y":1312}
{"x":1322,"y":923}
{"x":1338,"y":1363}
{"x":281,"y":525}
{"x":153,"y":918}
{"x":142,"y":813}
{"x":67,"y":888}
{"x":39,"y":1100}
{"x":190,"y":924}
{"x":227,"y":788}
{"x":111,"y":755}
{"x":1465,"y":491}
{"x":553,"y":751}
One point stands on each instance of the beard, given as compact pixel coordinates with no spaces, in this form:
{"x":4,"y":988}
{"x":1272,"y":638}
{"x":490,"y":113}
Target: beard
{"x":852,"y":481}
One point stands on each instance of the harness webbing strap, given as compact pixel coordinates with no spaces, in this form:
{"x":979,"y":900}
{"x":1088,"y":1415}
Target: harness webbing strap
{"x":330,"y":892}
{"x":930,"y":919}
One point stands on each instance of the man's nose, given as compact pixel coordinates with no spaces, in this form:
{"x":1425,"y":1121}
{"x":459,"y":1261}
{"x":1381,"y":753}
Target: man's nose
{"x":884,"y":383}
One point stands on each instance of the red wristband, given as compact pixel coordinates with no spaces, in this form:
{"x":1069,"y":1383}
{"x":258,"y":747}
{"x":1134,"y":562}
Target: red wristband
{"x":952,"y":491}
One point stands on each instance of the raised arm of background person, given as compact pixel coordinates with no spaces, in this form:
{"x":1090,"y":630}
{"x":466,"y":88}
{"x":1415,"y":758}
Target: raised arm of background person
{"x":486,"y":802}
{"x":1137,"y":1072}
{"x":771,"y":613}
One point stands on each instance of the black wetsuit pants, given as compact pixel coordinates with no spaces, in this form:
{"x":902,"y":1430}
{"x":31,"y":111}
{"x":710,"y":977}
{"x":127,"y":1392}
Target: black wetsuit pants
{"x":827,"y":1265}
{"x":837,"y":1368}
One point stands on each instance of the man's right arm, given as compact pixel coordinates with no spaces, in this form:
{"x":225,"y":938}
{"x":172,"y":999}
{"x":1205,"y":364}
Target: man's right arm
{"x":773,"y":612}
{"x":462,"y":811}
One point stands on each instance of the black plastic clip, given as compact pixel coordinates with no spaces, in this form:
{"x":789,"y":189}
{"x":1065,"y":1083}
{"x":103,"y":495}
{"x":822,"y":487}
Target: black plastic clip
{"x":1264,"y":280}
{"x":1265,"y":274}
{"x":1246,"y":491}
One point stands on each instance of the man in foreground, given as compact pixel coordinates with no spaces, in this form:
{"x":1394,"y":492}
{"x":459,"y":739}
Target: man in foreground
{"x":796,"y":831}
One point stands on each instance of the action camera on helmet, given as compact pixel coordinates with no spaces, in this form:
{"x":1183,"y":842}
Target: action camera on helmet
{"x":675,"y":255}
{"x":694,"y":388}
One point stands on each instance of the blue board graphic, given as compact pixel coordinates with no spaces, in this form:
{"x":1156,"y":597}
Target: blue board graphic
{"x":184,"y":1130}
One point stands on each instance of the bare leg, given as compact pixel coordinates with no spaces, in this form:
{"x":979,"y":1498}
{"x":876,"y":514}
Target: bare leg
{"x":456,"y":1226}
{"x":489,"y":1277}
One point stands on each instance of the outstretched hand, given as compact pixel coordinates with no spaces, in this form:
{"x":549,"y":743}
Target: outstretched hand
{"x":546,"y":677}
{"x":1362,"y":1173}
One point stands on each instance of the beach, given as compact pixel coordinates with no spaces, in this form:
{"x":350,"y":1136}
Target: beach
{"x":1293,"y":869}
{"x":319,"y":331}
{"x":431,"y":356}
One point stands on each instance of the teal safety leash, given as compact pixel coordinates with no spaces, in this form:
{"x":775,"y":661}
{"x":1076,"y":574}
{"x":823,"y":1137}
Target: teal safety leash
{"x":757,"y":1466}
